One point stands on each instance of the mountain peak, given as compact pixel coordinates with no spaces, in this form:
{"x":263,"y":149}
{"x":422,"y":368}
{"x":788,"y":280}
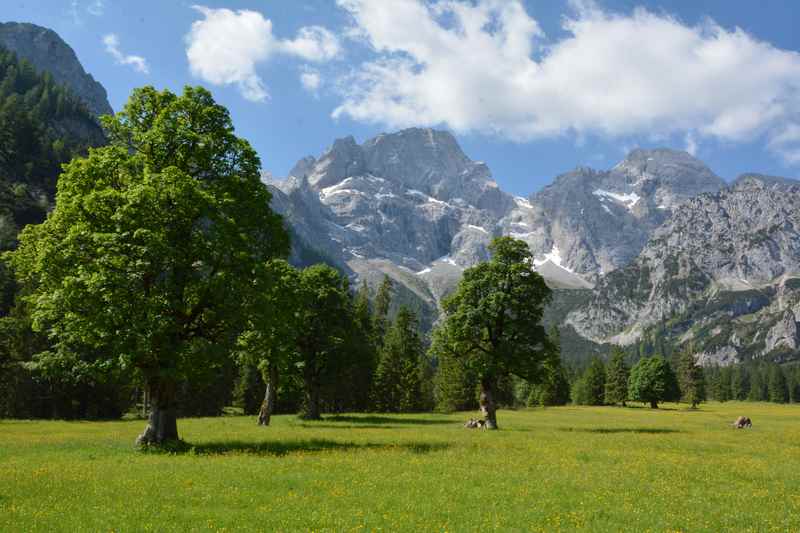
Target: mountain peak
{"x":751,"y":180}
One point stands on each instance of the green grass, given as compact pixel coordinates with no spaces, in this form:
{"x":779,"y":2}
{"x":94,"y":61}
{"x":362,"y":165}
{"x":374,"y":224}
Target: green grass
{"x":557,"y":469}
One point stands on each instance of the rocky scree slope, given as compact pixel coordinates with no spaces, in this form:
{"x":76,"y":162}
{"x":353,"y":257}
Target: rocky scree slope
{"x":722,"y":273}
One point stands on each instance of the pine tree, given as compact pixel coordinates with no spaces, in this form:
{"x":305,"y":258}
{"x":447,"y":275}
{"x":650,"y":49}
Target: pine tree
{"x":740,"y":382}
{"x":398,"y":377}
{"x":617,"y":373}
{"x":758,"y":385}
{"x":691,"y":379}
{"x":590,"y":388}
{"x":777,"y":388}
{"x":554,"y":389}
{"x":383,"y":301}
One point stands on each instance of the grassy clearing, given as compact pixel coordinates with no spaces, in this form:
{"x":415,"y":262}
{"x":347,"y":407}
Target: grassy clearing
{"x":558,"y":469}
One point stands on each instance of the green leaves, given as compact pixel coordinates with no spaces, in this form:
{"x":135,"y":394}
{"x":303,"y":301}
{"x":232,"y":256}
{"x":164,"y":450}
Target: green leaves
{"x":158,"y":243}
{"x":493,"y":320}
{"x":652,"y":381}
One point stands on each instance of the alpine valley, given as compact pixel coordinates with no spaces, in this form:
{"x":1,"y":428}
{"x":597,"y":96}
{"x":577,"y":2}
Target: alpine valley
{"x":653,"y":254}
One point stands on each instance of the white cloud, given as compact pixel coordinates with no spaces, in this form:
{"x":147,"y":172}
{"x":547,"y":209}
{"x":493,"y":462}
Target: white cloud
{"x":486,"y":66}
{"x":226,"y":46}
{"x":786,"y":143}
{"x":96,"y":8}
{"x":311,"y":80}
{"x":138,"y":63}
{"x":313,"y":43}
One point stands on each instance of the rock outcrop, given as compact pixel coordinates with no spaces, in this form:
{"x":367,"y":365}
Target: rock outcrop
{"x":46,"y":51}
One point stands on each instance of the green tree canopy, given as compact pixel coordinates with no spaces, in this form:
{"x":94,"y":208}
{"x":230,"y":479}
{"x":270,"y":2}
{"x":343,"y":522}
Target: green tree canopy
{"x":617,"y":372}
{"x":398,"y":386}
{"x":152,"y":253}
{"x":652,"y":380}
{"x":493,"y":320}
{"x":590,"y":387}
{"x":325,"y":315}
{"x":691,"y":379}
{"x":269,"y":342}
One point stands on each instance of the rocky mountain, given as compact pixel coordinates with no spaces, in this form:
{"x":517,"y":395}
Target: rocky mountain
{"x":46,"y":51}
{"x":592,"y":222}
{"x":412,"y":205}
{"x":722,"y":273}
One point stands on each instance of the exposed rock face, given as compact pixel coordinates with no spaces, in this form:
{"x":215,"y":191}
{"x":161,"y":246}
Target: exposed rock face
{"x":46,"y":51}
{"x":783,"y":335}
{"x":411,"y":198}
{"x":415,"y":199}
{"x":597,"y":221}
{"x":719,"y":272}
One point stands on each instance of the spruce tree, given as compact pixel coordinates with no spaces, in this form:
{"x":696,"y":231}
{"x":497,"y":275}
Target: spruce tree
{"x":691,"y":379}
{"x":398,"y":377}
{"x":383,"y":301}
{"x":617,"y":373}
{"x":757,"y":385}
{"x":740,"y":382}
{"x":777,"y":388}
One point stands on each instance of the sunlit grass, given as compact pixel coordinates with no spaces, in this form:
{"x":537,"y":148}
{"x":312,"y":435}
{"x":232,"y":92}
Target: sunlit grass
{"x":557,"y":469}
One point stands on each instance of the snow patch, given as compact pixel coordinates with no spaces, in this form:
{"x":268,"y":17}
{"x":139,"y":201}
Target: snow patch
{"x":423,"y":271}
{"x":522,"y":236}
{"x":554,"y":256}
{"x":356,"y":227}
{"x":628,"y":200}
{"x":428,"y":199}
{"x":478,"y":228}
{"x":522,"y":202}
{"x":607,"y":209}
{"x":449,"y":260}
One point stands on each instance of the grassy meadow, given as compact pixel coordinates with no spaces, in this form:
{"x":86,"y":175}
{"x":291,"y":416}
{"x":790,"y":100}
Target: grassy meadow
{"x":554,"y":469}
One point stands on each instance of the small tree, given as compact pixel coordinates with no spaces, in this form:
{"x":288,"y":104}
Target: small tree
{"x":397,"y":379}
{"x":777,"y":388}
{"x":324,"y":314}
{"x":383,"y":301}
{"x":493,"y":321}
{"x":554,"y":388}
{"x":651,"y":381}
{"x":617,"y":372}
{"x":590,"y":387}
{"x":454,"y":381}
{"x":269,"y":343}
{"x":149,"y":258}
{"x":691,"y":379}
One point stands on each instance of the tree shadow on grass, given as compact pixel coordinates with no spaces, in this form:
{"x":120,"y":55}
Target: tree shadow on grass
{"x":603,"y":431}
{"x":279,"y":448}
{"x":388,"y":420}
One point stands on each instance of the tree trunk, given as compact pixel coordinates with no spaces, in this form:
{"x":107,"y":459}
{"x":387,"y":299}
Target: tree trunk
{"x":653,"y":404}
{"x":311,"y":410}
{"x":162,"y":424}
{"x":268,"y":405}
{"x":488,"y":408}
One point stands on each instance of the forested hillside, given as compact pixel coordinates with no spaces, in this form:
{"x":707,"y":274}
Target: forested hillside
{"x":42,"y":126}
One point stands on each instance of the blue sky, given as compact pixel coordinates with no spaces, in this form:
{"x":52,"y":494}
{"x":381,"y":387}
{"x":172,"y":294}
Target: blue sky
{"x":533,"y":88}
